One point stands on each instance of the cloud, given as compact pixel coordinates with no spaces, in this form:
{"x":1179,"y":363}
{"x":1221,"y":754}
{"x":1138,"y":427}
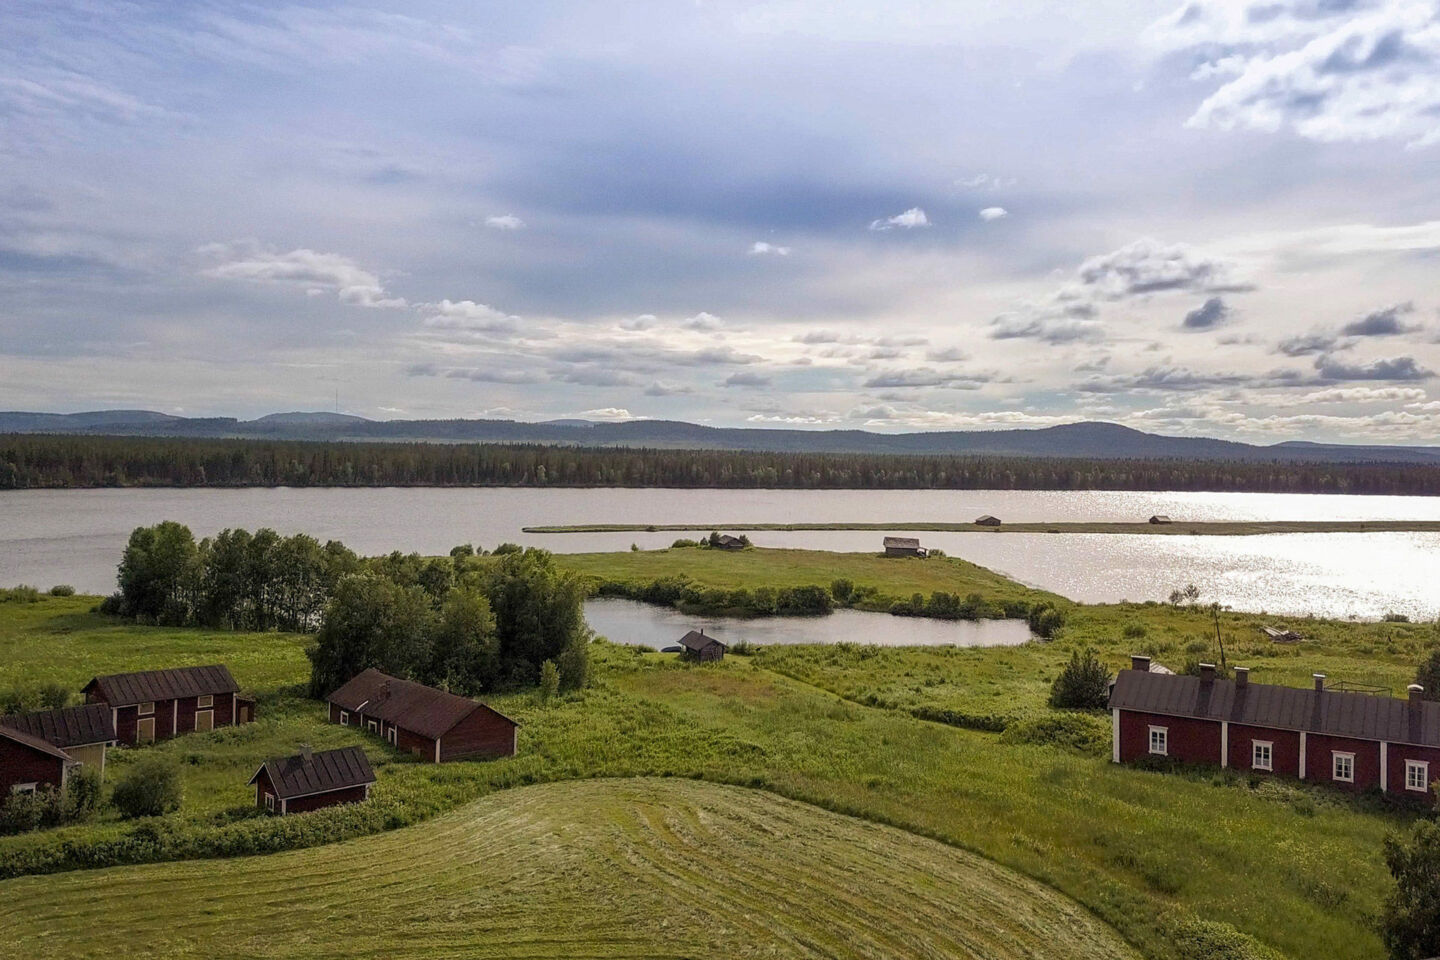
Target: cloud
{"x":505,"y":222}
{"x":1149,"y":266}
{"x":1170,"y":378}
{"x":665,"y":388}
{"x":1306,"y":344}
{"x":469,"y":316}
{"x":1363,"y":395}
{"x":1394,"y":368}
{"x":926,"y":377}
{"x":993,"y":213}
{"x":703,"y":322}
{"x":1211,"y":313}
{"x":1329,"y":71}
{"x":746,"y":379}
{"x":909,"y":220}
{"x":817,"y":336}
{"x":760,"y":248}
{"x":984,"y":180}
{"x":609,"y":413}
{"x":596,"y":376}
{"x":947,"y":355}
{"x":302,"y":268}
{"x":1049,"y":327}
{"x":643,"y":322}
{"x":1381,"y":323}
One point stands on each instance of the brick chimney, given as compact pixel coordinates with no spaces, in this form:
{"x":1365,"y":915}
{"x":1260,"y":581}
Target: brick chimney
{"x":1207,"y":673}
{"x":1319,"y":682}
{"x":1417,"y":695}
{"x":307,"y":756}
{"x":1242,"y":677}
{"x":1140,"y":663}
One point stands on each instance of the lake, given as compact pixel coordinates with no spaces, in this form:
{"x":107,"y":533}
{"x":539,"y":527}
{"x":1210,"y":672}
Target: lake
{"x":629,"y":621}
{"x":76,"y":536}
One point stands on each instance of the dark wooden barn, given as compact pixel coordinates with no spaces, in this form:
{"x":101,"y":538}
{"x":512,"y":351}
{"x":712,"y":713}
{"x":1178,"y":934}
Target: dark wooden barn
{"x":158,"y":704}
{"x":696,"y":646}
{"x":1355,"y":741}
{"x":903,"y":547}
{"x":1160,"y":518}
{"x":310,"y":781}
{"x":987,"y":521}
{"x":41,"y":749}
{"x":726,"y":542}
{"x":430,"y":723}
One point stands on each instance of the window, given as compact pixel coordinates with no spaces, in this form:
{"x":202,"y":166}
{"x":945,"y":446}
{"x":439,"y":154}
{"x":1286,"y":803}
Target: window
{"x":1261,"y":753}
{"x":1160,"y":741}
{"x":208,"y":700}
{"x":1417,"y":775}
{"x":270,"y":802}
{"x":145,"y":729}
{"x":147,"y":707}
{"x":392,"y":736}
{"x":204,"y":720}
{"x":25,"y":788}
{"x":344,"y":718}
{"x":1343,"y":767}
{"x":372,"y":726}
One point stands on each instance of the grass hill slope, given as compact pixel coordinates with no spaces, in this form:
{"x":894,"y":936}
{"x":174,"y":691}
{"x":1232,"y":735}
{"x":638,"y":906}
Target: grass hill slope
{"x":596,"y":868}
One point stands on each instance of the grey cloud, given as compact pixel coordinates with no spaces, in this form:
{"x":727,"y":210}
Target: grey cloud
{"x":482,"y":375}
{"x":1307,"y":344}
{"x":661,"y":388}
{"x":1211,"y":313}
{"x":597,"y":377}
{"x":818,"y":336}
{"x":1393,"y":368}
{"x":927,"y":377}
{"x":746,"y":379}
{"x":1182,"y":379}
{"x":1149,"y":266}
{"x":1381,"y":323}
{"x":947,"y":355}
{"x":1047,"y":329}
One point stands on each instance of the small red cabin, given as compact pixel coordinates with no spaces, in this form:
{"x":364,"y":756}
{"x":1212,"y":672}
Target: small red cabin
{"x":429,"y":723}
{"x":696,"y":646}
{"x":158,"y":704}
{"x":1354,"y":741}
{"x":41,"y":749}
{"x":311,"y":781}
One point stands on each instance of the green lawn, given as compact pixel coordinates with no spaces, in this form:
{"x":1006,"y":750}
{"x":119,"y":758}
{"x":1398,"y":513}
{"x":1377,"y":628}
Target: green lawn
{"x":597,"y":868}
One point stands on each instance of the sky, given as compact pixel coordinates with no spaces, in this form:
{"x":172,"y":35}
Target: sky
{"x":1209,"y":218}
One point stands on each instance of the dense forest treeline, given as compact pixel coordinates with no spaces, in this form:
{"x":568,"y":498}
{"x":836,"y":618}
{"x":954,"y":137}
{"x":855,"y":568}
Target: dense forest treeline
{"x":32,"y":461}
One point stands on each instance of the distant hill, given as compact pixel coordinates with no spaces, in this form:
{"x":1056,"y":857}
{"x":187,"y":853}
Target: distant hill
{"x":1086,"y":439}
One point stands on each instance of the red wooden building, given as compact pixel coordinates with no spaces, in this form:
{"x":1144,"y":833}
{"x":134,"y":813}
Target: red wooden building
{"x":310,"y":781}
{"x":41,"y":749}
{"x":1355,"y":741}
{"x":430,"y":723}
{"x":696,"y":646}
{"x":158,"y":704}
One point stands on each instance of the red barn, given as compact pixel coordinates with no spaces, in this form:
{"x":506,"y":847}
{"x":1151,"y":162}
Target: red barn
{"x":311,"y":781}
{"x":430,"y":723}
{"x":696,"y":646}
{"x":157,"y":704}
{"x":1355,"y":741}
{"x":41,"y":749}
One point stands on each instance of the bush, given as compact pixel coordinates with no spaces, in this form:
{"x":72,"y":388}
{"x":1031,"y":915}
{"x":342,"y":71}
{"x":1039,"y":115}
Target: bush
{"x":1410,"y":922}
{"x":1084,"y":684}
{"x":1428,"y":676}
{"x":1045,"y":619}
{"x":505,"y":548}
{"x":19,"y":594}
{"x":1077,"y":731}
{"x":1392,"y":617}
{"x":151,"y":789}
{"x":683,"y":543}
{"x":1134,"y":631}
{"x":549,"y":681}
{"x":62,"y":590}
{"x":842,"y":590}
{"x":743,"y":648}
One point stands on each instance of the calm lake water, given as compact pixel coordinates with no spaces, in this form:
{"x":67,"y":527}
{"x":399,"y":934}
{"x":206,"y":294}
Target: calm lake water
{"x":628,"y":621}
{"x":76,"y":536}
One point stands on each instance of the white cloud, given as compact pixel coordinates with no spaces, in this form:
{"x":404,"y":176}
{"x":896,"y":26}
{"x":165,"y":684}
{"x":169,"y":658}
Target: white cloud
{"x":994,"y":213}
{"x":702,"y":322}
{"x":505,"y":222}
{"x":760,"y":247}
{"x":909,"y":220}
{"x":1328,"y":71}
{"x":467,"y":315}
{"x":982,"y":181}
{"x":609,"y":413}
{"x":302,"y":267}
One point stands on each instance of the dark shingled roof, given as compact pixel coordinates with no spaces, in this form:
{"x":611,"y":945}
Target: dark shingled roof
{"x":697,"y":641}
{"x":326,"y":771}
{"x":906,"y":543}
{"x":124,"y":689}
{"x":67,"y":727}
{"x":34,"y":743}
{"x":412,"y":706}
{"x":1337,"y":713}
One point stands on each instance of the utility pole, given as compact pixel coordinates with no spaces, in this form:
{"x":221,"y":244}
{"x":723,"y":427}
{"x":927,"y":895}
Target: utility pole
{"x":1215,"y":609}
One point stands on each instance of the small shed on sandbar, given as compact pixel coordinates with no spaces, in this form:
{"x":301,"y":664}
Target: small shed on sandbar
{"x":903,"y":547}
{"x":987,"y":521}
{"x":1161,"y":518}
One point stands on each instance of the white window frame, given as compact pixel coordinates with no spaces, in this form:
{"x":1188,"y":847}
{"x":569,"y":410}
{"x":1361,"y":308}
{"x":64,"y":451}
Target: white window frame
{"x":344,"y":718}
{"x":372,"y":726}
{"x":1336,"y":758}
{"x":270,"y":801}
{"x":394,"y":737}
{"x":1424,"y":767}
{"x":1164,"y":739}
{"x":24,"y":788}
{"x":153,"y":735}
{"x":204,"y":713}
{"x":140,"y":710}
{"x":205,"y":700}
{"x":1269,"y":763}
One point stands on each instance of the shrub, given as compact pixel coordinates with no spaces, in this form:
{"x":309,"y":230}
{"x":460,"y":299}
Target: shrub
{"x":62,"y":590}
{"x":807,"y":599}
{"x":1045,"y":619}
{"x":743,"y":648}
{"x":1192,"y":669}
{"x":549,"y":681}
{"x":1392,"y":617}
{"x":82,"y":794}
{"x":683,"y":543}
{"x":151,"y":789}
{"x":1428,"y":676}
{"x":1077,"y":731}
{"x":1084,"y":684}
{"x":19,"y":594}
{"x":1134,"y":631}
{"x":505,"y":548}
{"x":1410,"y":921}
{"x":842,"y":590}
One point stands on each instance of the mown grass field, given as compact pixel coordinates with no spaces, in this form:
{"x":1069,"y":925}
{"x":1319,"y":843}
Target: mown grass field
{"x":1157,"y":856}
{"x":596,"y":868}
{"x":894,"y":577}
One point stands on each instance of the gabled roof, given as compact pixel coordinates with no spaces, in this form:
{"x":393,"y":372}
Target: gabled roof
{"x":1337,"y":713}
{"x":413,"y":706}
{"x":904,"y":543}
{"x":323,"y":772}
{"x":987,"y":518}
{"x":66,"y":727}
{"x":697,"y":641}
{"x":35,"y":743}
{"x":124,"y":689}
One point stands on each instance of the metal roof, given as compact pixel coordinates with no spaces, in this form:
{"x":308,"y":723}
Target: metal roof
{"x":697,"y":641}
{"x":35,"y":743}
{"x":413,"y":706}
{"x":321,"y":773}
{"x":1336,"y":713}
{"x":66,"y":727}
{"x":124,"y":689}
{"x":906,"y":543}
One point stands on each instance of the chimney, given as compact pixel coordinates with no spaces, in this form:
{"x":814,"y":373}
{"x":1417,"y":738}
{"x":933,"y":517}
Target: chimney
{"x":1319,"y":682}
{"x":384,"y":691}
{"x":1140,"y":663}
{"x":1242,"y":677}
{"x":1207,"y":673}
{"x":306,"y":755}
{"x":1417,"y":695}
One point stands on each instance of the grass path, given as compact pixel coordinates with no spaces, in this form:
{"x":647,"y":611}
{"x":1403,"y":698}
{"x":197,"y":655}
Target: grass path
{"x":594,"y":868}
{"x":1178,"y":528}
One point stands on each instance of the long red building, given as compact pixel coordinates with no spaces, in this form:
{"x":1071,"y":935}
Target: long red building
{"x":430,"y":723}
{"x":159,"y":704}
{"x":1355,"y":741}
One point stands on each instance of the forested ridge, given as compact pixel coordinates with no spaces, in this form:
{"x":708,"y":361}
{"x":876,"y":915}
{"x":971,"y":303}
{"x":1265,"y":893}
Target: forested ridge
{"x":34,"y":461}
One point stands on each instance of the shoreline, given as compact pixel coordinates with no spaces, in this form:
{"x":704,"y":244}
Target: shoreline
{"x":1209,"y":528}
